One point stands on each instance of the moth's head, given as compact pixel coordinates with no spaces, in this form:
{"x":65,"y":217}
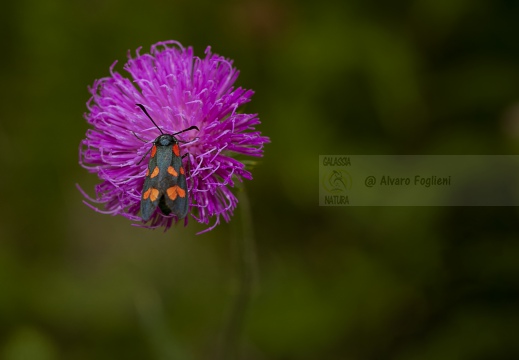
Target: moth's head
{"x":165,"y":140}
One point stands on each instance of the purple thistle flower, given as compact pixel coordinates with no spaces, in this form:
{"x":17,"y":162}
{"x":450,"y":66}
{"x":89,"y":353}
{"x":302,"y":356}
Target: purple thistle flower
{"x":179,"y":90}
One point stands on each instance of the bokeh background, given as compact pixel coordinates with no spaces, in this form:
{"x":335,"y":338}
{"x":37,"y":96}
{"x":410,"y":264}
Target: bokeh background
{"x":331,"y":77}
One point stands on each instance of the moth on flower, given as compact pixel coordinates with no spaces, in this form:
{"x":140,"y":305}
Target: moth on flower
{"x":179,"y":91}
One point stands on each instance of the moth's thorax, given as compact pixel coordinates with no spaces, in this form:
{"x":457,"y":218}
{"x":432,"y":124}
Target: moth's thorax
{"x":165,"y":140}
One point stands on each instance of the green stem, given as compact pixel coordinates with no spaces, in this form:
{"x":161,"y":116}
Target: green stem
{"x":245,"y":264}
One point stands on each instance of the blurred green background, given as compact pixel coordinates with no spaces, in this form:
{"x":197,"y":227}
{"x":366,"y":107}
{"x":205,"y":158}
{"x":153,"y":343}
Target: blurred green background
{"x":331,"y":77}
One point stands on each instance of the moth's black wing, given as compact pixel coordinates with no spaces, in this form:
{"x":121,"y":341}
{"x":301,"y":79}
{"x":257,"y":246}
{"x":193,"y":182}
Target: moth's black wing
{"x":151,"y":191}
{"x":176,"y":198}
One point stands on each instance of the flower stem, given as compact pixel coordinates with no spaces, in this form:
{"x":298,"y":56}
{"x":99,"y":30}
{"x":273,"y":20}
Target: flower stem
{"x":245,"y":267}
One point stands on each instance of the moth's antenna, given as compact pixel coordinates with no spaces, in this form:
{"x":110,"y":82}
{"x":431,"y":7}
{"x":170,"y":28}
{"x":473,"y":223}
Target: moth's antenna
{"x":148,"y":115}
{"x":189,"y":128}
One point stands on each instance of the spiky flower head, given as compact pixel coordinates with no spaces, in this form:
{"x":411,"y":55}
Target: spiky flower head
{"x":179,"y":90}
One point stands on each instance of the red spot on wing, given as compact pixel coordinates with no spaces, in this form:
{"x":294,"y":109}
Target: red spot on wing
{"x":176,"y":150}
{"x":154,"y":194}
{"x":181,"y":192}
{"x":175,"y":191}
{"x":171,"y":170}
{"x":155,"y":172}
{"x":182,"y":170}
{"x":153,"y":151}
{"x":146,"y":194}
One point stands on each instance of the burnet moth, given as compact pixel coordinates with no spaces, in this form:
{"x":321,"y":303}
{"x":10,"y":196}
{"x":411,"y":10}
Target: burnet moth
{"x":165,"y":185}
